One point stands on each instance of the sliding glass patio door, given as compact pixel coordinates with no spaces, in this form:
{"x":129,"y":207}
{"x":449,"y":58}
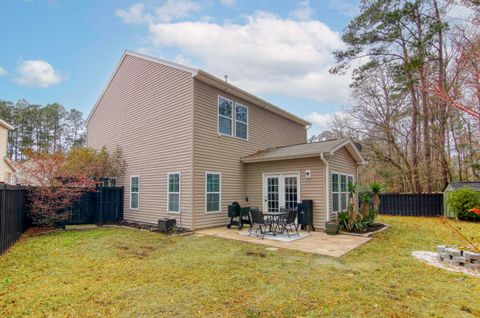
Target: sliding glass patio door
{"x":281,"y":190}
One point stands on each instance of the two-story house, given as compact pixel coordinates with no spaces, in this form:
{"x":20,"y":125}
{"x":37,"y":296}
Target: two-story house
{"x":7,"y":168}
{"x":194,"y":143}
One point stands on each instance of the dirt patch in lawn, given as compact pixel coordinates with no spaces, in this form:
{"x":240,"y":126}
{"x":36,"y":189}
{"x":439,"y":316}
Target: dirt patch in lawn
{"x":139,"y":252}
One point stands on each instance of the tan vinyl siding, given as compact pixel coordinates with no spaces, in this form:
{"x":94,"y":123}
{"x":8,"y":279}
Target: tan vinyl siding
{"x":222,"y":154}
{"x":5,"y":170}
{"x":147,"y":111}
{"x":310,"y":188}
{"x":341,"y":161}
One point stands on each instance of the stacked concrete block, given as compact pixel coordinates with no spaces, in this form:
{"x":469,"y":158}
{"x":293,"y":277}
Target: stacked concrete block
{"x":451,"y":255}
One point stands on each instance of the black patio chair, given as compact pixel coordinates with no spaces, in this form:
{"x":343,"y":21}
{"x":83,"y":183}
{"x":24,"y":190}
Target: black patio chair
{"x":258,"y":222}
{"x":288,"y":223}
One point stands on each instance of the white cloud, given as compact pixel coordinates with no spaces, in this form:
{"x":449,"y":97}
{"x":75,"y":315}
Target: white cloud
{"x":265,"y":54}
{"x":304,"y":12}
{"x":3,"y":71}
{"x":347,"y":8}
{"x":228,"y":3}
{"x":171,"y":10}
{"x":37,"y":73}
{"x":133,"y":14}
{"x":321,"y":122}
{"x":458,"y":12}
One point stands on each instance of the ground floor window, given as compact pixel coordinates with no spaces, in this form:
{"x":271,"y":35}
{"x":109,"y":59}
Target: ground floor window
{"x":339,"y":190}
{"x":173,"y":196}
{"x":134,"y":191}
{"x":213,"y":195}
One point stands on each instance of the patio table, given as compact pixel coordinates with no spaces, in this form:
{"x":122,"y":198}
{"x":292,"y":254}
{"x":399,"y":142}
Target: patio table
{"x":273,"y":218}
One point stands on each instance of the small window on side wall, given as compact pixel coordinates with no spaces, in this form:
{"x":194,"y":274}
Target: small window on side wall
{"x":173,"y":196}
{"x":134,"y":192}
{"x":213,"y":197}
{"x":225,"y":116}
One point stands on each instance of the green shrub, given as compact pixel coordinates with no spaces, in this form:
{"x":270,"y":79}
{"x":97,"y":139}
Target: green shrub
{"x":461,"y":201}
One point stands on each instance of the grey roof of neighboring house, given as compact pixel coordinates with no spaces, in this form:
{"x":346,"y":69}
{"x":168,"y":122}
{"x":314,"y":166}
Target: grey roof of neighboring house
{"x":455,"y":185}
{"x":304,"y":151}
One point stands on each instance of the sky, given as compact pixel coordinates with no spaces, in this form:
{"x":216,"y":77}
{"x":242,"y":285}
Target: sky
{"x":280,"y":50}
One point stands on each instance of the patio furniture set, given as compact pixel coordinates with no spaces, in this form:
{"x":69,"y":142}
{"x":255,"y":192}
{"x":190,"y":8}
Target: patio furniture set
{"x":264,"y":223}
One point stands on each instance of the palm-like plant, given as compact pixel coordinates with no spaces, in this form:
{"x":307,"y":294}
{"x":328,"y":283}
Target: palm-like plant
{"x":353,"y":215}
{"x":375,"y":187}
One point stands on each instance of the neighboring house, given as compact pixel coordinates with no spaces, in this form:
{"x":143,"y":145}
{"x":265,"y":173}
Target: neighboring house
{"x":194,"y":143}
{"x":453,"y":186}
{"x":6,"y":165}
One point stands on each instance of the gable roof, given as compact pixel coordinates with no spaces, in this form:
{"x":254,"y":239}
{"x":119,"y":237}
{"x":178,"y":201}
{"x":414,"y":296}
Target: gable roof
{"x":307,"y":150}
{"x":209,"y":79}
{"x":6,"y":125}
{"x":455,"y":185}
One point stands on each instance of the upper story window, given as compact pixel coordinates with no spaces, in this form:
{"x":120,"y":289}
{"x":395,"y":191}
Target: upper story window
{"x":232,"y":121}
{"x":225,"y":116}
{"x":241,"y":121}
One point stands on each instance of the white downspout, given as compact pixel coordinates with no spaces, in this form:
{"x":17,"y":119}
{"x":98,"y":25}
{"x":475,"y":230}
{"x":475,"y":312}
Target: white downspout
{"x":327,"y":188}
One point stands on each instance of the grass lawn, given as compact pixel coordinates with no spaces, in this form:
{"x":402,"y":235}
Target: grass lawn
{"x":115,"y":272}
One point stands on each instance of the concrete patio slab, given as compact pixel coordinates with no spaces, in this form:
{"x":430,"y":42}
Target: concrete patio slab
{"x":316,"y":243}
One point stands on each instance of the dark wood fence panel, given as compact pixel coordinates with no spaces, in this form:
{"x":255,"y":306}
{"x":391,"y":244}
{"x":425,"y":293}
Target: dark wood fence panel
{"x":411,"y":204}
{"x":103,"y":205}
{"x":13,"y":211}
{"x":109,"y":205}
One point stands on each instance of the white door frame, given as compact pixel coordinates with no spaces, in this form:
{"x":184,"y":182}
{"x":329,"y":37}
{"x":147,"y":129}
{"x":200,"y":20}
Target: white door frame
{"x":281,"y":187}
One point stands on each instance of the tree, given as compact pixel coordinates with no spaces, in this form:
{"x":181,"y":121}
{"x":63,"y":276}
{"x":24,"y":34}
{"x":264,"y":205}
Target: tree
{"x":410,"y":49}
{"x":94,"y":164}
{"x":54,"y":190}
{"x":75,"y":125}
{"x":48,"y":128}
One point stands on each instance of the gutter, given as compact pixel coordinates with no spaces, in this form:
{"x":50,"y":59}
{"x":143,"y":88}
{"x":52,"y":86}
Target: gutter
{"x":327,"y":188}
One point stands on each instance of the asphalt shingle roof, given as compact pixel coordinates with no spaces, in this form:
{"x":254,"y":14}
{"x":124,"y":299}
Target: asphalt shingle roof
{"x":475,"y":185}
{"x":296,"y":151}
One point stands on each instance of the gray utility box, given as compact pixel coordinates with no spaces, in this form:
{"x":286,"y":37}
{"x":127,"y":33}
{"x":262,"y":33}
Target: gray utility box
{"x":165,"y":225}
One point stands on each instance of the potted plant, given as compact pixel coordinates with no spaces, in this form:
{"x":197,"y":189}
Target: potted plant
{"x":332,"y":227}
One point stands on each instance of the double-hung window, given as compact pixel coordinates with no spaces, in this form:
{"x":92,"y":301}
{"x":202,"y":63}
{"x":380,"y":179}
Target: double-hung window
{"x":335,"y":192}
{"x":134,"y":191}
{"x":339,"y":190}
{"x":232,"y":118}
{"x":213,"y":195}
{"x":173,"y":196}
{"x":241,"y":121}
{"x":225,"y":116}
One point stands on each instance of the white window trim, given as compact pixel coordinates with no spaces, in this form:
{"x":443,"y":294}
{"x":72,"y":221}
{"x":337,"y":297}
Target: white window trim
{"x":179,"y":192}
{"x":232,"y":126}
{"x":138,"y":192}
{"x":340,"y":174}
{"x":219,"y":193}
{"x":246,"y":123}
{"x":281,"y":185}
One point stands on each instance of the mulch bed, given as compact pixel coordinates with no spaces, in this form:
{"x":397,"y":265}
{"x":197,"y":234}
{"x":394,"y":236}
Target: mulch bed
{"x":371,"y":228}
{"x":151,"y":228}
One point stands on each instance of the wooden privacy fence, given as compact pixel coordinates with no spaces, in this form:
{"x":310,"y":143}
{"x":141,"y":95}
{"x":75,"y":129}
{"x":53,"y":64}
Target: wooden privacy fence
{"x":13,"y":212}
{"x":100,"y":206}
{"x":422,"y":204}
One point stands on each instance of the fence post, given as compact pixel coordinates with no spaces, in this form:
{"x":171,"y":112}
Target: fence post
{"x":100,"y":210}
{"x":3,"y":234}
